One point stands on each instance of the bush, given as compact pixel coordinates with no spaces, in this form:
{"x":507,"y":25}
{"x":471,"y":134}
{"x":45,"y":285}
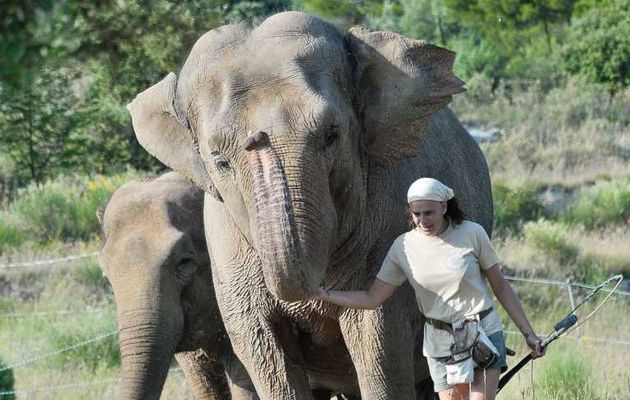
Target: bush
{"x":100,"y":353}
{"x":62,"y":209}
{"x":551,"y":239}
{"x":91,"y":276}
{"x":7,"y":382}
{"x":567,"y":377}
{"x":10,"y":235}
{"x":607,"y":202}
{"x":44,"y":211}
{"x":514,"y":206}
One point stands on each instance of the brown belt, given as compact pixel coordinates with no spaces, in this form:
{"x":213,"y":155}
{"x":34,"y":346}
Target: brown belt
{"x":445,"y":326}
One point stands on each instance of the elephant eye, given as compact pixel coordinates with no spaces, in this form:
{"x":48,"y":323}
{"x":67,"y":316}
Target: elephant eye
{"x":331,"y":136}
{"x":221,"y":163}
{"x":185,"y":269}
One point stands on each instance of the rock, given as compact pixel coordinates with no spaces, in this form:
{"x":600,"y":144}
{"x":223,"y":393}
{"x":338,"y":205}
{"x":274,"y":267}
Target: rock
{"x":483,"y":134}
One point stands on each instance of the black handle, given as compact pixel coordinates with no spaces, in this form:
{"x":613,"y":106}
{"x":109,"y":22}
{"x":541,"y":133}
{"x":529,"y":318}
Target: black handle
{"x":508,"y":375}
{"x":566,"y":323}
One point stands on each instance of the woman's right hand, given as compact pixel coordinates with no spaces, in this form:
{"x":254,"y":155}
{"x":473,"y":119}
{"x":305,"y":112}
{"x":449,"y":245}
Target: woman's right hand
{"x":534,"y":343}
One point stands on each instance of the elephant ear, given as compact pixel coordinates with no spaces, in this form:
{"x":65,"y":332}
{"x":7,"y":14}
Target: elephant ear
{"x":399,"y":83}
{"x":165,"y":133}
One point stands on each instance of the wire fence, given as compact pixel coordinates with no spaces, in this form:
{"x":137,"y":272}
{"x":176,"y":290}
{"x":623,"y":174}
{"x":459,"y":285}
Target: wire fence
{"x":77,"y":385}
{"x":56,"y":312}
{"x":53,"y":261}
{"x":108,"y":335}
{"x":33,"y":359}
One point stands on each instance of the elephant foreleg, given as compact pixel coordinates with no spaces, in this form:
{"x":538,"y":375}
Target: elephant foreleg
{"x":381,"y":344}
{"x":204,"y":375}
{"x":241,"y":387}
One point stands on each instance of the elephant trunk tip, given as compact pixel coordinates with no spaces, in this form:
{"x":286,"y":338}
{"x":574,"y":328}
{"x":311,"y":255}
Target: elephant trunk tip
{"x":257,"y":140}
{"x":289,"y":294}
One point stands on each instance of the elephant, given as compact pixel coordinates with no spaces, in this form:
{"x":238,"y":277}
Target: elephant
{"x":156,"y":259}
{"x":305,"y":139}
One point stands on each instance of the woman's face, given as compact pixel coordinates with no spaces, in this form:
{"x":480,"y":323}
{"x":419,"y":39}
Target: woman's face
{"x":428,"y":216}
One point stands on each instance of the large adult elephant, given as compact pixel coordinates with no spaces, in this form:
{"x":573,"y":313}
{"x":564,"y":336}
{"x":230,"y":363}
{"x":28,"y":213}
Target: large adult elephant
{"x":305,"y":140}
{"x":156,"y":259}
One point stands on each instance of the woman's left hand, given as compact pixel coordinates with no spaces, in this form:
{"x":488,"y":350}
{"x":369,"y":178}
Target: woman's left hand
{"x":534,"y":343}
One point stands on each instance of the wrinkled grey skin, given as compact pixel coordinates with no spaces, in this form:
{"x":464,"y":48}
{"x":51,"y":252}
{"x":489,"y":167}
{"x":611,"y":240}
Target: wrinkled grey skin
{"x":305,"y":140}
{"x":156,"y":259}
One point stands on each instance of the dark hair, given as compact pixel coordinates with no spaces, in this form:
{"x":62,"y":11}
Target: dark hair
{"x":454,"y":213}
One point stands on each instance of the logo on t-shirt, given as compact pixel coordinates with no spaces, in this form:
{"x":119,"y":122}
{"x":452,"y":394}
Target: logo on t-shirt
{"x":456,"y":260}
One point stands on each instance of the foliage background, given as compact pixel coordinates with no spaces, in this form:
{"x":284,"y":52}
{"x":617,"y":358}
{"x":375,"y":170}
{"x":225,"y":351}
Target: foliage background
{"x":68,"y":68}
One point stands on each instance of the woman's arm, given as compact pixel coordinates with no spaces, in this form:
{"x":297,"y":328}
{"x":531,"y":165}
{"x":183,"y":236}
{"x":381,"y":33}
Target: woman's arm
{"x":362,"y":299}
{"x":508,"y":299}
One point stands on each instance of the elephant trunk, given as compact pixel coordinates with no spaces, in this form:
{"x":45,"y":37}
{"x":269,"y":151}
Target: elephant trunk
{"x":147,"y":345}
{"x":278,"y":243}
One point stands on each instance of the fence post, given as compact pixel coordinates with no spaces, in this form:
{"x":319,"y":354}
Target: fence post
{"x":572,"y":301}
{"x":570,"y":292}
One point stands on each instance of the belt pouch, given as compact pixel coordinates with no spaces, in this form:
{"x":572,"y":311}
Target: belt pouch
{"x":460,"y":372}
{"x":484,"y":352}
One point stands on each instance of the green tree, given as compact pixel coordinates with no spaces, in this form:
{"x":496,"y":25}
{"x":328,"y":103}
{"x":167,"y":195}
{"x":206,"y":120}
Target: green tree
{"x":254,"y":11}
{"x":504,"y":30}
{"x":345,"y":12}
{"x":504,"y":19}
{"x":29,"y":36}
{"x":421,"y":19}
{"x":598,"y":46}
{"x":71,"y":68}
{"x":37,"y":124}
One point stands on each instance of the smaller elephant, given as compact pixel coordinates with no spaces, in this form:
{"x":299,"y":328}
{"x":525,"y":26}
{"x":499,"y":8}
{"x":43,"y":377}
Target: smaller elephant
{"x":156,"y":259}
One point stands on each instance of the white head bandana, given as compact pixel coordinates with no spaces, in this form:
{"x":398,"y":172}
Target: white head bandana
{"x":429,"y":189}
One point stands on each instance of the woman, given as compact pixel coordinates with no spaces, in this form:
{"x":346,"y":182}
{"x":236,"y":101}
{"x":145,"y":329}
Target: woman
{"x":445,"y":258}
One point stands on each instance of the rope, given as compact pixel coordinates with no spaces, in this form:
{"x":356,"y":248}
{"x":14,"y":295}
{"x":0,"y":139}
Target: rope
{"x":53,"y":353}
{"x":558,"y":283}
{"x":619,"y":279}
{"x":46,"y":262}
{"x":582,"y":338}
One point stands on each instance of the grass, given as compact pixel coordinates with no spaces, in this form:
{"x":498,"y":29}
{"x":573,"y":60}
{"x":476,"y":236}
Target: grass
{"x":569,"y":136}
{"x":513,"y":206}
{"x":46,"y":309}
{"x":550,"y":239}
{"x":605,"y":203}
{"x":579,"y":366}
{"x":568,"y":376}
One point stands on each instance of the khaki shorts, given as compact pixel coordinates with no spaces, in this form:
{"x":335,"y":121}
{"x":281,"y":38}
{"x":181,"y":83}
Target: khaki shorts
{"x":438,"y":369}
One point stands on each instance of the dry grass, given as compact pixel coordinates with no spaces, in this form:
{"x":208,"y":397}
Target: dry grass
{"x":597,"y":351}
{"x":570,"y":136}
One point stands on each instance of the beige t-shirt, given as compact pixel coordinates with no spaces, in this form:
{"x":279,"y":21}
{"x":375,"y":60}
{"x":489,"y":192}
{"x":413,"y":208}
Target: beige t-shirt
{"x":445,"y":272}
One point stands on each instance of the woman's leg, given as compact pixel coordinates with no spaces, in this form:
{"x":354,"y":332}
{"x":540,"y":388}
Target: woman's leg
{"x":457,"y":392}
{"x":484,"y":387}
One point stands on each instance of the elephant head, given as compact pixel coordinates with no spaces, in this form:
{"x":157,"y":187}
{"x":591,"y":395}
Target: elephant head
{"x":156,"y":260}
{"x":281,"y":123}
